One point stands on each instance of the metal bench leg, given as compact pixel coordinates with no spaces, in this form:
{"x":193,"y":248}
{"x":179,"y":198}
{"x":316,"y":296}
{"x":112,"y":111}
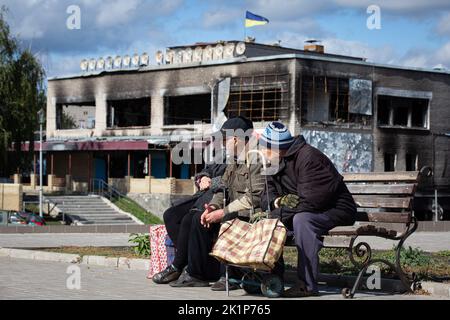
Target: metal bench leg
{"x":227,"y":287}
{"x":398,"y":267}
{"x":358,"y":281}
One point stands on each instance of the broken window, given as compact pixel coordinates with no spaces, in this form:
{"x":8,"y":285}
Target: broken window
{"x":419,"y":110}
{"x":390,"y":162}
{"x":183,"y":110}
{"x":411,"y":161}
{"x":360,"y":97}
{"x":402,"y":111}
{"x":259,"y":98}
{"x":75,"y":116}
{"x":339,"y":98}
{"x":336,"y":100}
{"x":129,"y":113}
{"x":384,"y":110}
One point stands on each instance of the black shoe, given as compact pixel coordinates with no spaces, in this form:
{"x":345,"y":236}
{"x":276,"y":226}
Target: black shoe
{"x":185,"y":280}
{"x":221,"y":285}
{"x":171,"y":273}
{"x":299,"y":290}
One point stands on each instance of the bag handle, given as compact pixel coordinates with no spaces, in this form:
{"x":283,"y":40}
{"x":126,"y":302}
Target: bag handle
{"x":264,"y":163}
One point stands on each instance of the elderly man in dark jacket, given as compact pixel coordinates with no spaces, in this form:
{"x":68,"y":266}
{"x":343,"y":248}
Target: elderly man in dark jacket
{"x":236,"y":199}
{"x":178,"y":219}
{"x":309,"y":195}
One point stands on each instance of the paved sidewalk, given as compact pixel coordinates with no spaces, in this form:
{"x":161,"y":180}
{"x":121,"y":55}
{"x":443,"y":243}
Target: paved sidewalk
{"x":64,"y":240}
{"x":427,"y":241}
{"x":25,"y":279}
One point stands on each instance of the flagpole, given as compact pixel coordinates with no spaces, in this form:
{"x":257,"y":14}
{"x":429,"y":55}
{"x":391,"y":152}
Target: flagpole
{"x":245,"y":28}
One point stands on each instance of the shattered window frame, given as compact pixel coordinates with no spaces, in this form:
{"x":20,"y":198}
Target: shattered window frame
{"x":116,"y":121}
{"x":390,"y":161}
{"x":389,"y":113}
{"x":260,"y":98}
{"x":182,"y":114}
{"x":64,"y":117}
{"x":335,"y":93}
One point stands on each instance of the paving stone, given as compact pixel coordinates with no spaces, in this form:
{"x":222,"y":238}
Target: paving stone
{"x":25,"y":279}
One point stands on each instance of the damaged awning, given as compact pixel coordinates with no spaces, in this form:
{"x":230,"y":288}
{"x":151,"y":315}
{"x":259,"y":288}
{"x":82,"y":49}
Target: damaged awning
{"x":89,"y":146}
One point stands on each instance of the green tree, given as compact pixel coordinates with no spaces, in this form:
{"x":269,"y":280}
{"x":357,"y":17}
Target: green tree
{"x":22,"y":94}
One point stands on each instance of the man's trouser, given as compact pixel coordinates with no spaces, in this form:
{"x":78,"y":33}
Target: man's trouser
{"x":178,"y":220}
{"x":201,"y":241}
{"x":309,"y":228}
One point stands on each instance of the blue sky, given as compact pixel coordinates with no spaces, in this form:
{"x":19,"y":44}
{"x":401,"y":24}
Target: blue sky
{"x":413,"y":33}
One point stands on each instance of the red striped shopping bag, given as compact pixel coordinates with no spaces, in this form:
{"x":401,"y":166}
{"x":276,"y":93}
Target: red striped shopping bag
{"x":162,"y":250}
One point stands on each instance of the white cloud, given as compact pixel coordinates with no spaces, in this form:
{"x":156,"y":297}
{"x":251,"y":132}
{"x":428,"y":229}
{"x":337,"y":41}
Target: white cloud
{"x":393,"y":6}
{"x":117,"y":12}
{"x":221,"y":18}
{"x":442,"y":56}
{"x":428,"y":58}
{"x":443,"y":26}
{"x":384,"y":54}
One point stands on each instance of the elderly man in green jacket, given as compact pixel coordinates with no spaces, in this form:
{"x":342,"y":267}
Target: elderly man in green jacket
{"x":240,"y":191}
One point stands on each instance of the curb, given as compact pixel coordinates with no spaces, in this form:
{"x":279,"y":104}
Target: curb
{"x":119,"y":263}
{"x":436,"y":289}
{"x":40,"y":255}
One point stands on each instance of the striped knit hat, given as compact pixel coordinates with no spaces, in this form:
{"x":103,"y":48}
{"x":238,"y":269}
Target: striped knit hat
{"x":276,"y":135}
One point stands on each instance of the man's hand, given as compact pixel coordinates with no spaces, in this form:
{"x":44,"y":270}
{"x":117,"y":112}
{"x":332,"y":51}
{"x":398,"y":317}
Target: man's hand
{"x":290,"y":201}
{"x":214,"y":217}
{"x":208,"y":209}
{"x":205,"y":183}
{"x":211,"y":215}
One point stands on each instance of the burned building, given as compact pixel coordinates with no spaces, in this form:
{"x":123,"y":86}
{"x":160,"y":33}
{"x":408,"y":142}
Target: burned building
{"x":364,"y":116}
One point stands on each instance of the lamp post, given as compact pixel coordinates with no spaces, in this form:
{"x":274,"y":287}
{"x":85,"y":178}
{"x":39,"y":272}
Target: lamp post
{"x":41,"y":123}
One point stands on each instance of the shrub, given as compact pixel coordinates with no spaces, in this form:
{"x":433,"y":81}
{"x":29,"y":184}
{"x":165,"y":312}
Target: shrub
{"x":142,"y":244}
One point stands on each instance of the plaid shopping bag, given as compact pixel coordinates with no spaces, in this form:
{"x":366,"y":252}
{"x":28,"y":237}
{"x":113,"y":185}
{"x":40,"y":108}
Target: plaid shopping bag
{"x":257,"y":245}
{"x":162,"y":250}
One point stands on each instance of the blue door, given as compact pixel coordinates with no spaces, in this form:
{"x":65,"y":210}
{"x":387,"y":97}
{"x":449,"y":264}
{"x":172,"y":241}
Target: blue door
{"x":159,"y":164}
{"x":100,"y":170}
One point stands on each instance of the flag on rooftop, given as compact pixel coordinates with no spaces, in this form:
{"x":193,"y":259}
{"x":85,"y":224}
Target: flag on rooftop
{"x":252,"y":20}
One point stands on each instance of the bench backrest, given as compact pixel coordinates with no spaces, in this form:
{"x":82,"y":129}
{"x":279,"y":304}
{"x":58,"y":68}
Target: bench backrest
{"x":385,"y":197}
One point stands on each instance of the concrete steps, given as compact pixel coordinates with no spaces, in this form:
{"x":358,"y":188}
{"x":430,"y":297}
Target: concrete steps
{"x":89,"y":210}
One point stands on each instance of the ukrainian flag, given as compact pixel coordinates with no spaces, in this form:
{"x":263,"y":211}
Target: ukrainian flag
{"x":252,"y":20}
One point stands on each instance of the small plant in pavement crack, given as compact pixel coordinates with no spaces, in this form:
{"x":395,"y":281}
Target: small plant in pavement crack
{"x":142,"y":244}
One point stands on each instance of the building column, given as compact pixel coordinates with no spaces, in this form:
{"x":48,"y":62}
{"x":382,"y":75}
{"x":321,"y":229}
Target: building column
{"x":128,"y":177}
{"x":108,"y":167}
{"x":69,"y":175}
{"x":101,"y":114}
{"x":149,"y":173}
{"x":34,"y":175}
{"x":170,"y":164}
{"x":52,"y":159}
{"x":17,"y":178}
{"x":50,"y":176}
{"x":157,"y":118}
{"x":51,"y":115}
{"x":33,"y":178}
{"x":50,"y":182}
{"x":295,"y":99}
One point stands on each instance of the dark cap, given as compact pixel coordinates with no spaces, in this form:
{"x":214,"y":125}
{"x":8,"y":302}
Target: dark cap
{"x":237,"y":123}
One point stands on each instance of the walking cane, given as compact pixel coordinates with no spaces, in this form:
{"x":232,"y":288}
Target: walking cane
{"x":264,"y":163}
{"x":252,"y":212}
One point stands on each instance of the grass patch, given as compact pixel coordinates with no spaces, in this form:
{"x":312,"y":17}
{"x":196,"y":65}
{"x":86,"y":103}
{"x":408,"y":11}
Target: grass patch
{"x":110,"y":252}
{"x":136,"y":210}
{"x":427,"y":266}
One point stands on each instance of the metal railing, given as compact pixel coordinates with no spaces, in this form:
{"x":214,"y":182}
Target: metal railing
{"x":101,"y":188}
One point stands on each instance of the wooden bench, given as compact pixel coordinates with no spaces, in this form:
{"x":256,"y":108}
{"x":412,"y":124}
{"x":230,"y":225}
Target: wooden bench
{"x":382,"y":198}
